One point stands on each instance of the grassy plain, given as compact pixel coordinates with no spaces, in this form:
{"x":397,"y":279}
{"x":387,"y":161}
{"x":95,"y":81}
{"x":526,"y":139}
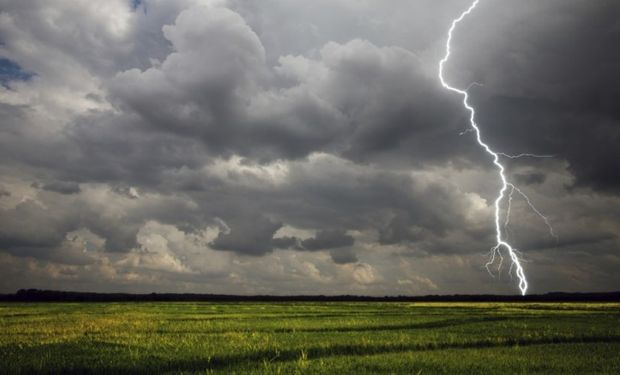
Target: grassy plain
{"x":330,"y":338}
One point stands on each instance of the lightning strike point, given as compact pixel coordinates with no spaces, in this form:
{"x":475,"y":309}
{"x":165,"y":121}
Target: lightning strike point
{"x":501,"y":242}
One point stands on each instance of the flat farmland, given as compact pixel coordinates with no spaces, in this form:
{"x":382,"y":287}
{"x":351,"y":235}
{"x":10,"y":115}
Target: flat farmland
{"x":329,"y":338}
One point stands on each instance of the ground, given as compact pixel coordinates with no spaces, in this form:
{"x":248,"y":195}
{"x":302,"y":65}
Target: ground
{"x":330,"y":338}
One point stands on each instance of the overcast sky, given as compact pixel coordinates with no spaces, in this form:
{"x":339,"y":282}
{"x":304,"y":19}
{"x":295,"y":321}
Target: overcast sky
{"x":305,"y":147}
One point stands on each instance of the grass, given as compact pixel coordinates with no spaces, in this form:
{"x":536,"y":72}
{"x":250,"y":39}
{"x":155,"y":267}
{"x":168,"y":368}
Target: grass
{"x":330,"y":338}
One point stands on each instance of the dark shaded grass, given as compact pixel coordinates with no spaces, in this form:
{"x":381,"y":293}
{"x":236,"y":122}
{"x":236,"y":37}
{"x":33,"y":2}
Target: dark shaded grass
{"x":363,"y":328}
{"x":364,"y":350}
{"x":193,"y":365}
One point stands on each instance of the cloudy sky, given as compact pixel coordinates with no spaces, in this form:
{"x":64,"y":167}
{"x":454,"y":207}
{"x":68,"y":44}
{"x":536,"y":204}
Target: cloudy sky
{"x":304,"y":147}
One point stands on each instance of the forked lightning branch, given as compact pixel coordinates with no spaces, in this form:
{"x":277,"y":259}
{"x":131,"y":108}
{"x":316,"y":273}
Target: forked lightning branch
{"x":504,"y":197}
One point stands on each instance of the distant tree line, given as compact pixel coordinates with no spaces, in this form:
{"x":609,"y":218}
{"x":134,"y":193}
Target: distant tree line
{"x":36,"y":295}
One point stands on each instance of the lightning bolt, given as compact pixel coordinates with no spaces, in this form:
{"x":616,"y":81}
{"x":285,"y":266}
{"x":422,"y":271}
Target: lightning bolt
{"x":524,"y":156}
{"x":501,"y":242}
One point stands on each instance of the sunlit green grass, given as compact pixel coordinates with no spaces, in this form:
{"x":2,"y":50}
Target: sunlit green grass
{"x":331,"y":338}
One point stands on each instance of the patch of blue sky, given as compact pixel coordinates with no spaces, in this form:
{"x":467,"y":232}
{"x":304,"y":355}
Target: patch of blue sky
{"x":10,"y":71}
{"x":135,"y":4}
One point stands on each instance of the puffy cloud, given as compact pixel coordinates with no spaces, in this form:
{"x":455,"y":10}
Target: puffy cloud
{"x":364,"y":273}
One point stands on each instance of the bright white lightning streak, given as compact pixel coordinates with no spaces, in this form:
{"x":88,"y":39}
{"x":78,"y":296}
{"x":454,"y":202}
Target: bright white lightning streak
{"x":501,"y":243}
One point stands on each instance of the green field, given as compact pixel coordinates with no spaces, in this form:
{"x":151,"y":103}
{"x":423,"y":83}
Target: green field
{"x":331,"y":338}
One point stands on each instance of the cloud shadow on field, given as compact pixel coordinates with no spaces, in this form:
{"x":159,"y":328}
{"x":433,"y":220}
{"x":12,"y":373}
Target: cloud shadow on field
{"x":70,"y":353}
{"x":363,"y":350}
{"x":360,"y":328}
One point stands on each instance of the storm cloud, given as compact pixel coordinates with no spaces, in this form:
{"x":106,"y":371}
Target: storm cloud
{"x":280,"y":147}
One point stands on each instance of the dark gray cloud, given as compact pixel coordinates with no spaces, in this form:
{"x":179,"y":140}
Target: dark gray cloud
{"x":343,"y":256}
{"x":29,"y":226}
{"x":278,"y":146}
{"x":529,"y":178}
{"x":62,"y":187}
{"x":537,"y":99}
{"x":328,"y":239}
{"x":251,"y":235}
